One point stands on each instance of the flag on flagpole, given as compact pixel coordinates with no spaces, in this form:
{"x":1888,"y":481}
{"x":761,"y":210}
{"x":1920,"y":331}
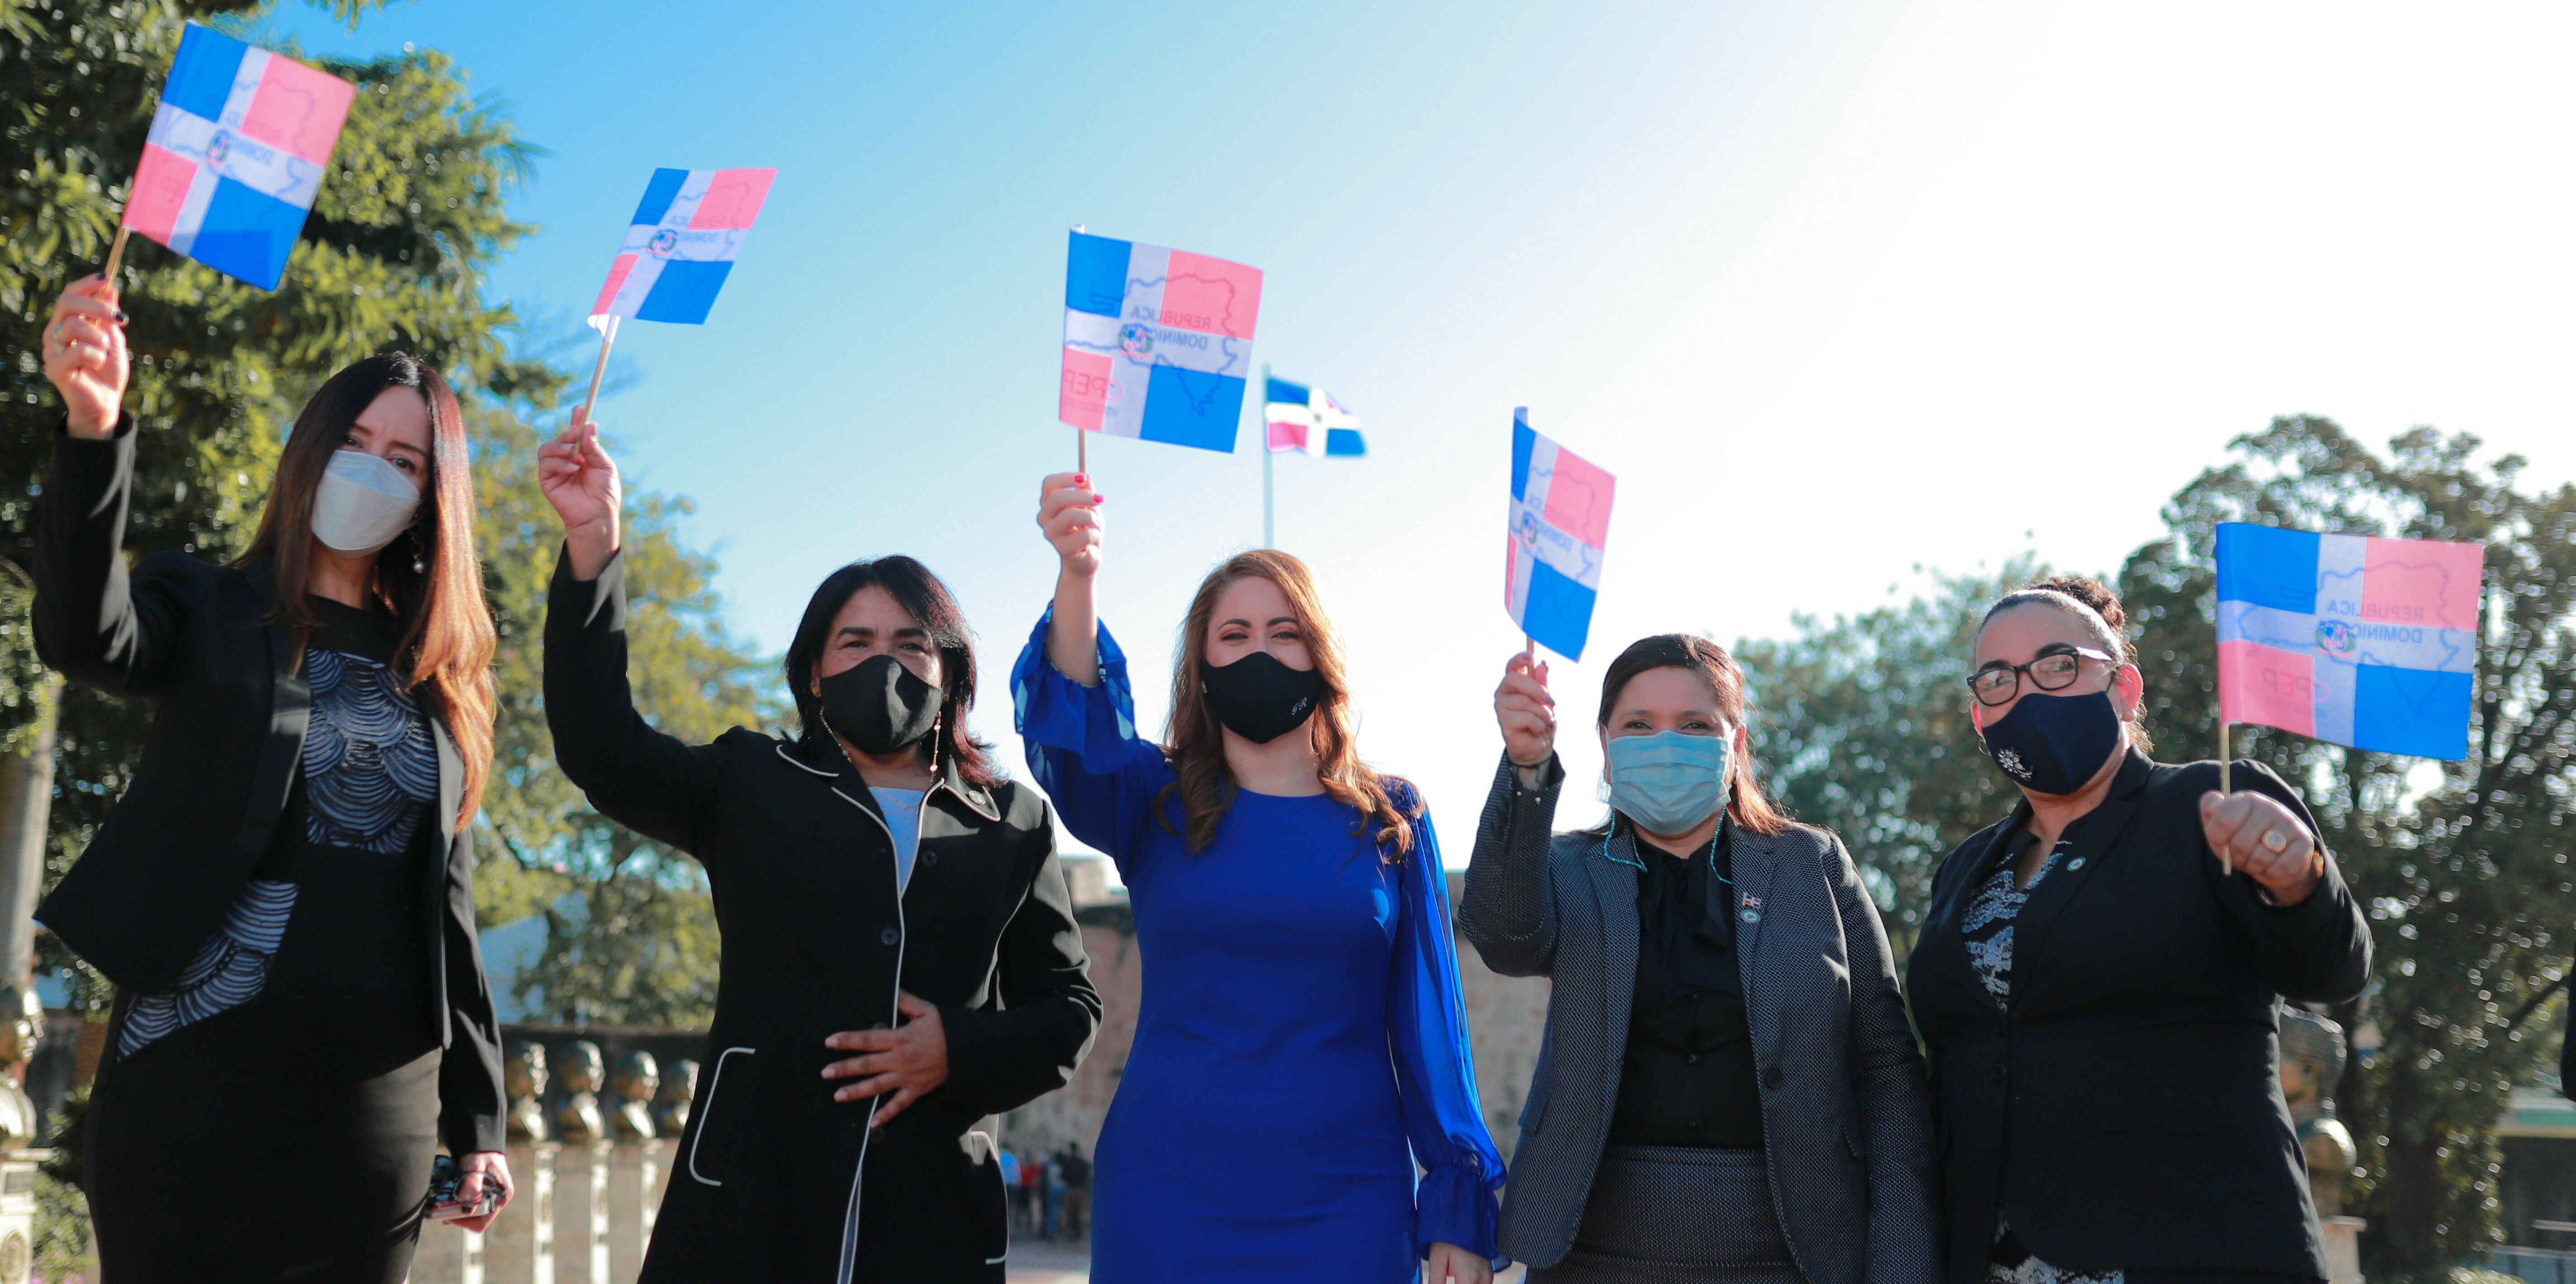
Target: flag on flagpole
{"x":1560,"y":522}
{"x":1298,"y":417}
{"x":1157,"y":342}
{"x":2352,"y":639}
{"x":236,"y":155}
{"x":681,"y":244}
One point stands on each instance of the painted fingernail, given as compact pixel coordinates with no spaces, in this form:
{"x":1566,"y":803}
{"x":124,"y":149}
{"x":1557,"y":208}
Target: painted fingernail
{"x":120,"y":316}
{"x":1095,"y":499}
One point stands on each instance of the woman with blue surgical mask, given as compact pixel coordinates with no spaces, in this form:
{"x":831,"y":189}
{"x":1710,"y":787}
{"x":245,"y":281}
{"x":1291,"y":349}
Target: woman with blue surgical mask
{"x":1728,"y":1087}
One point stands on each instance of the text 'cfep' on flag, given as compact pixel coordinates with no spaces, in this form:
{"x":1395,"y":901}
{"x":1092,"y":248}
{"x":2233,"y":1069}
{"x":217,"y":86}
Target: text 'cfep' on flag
{"x":1560,"y":522}
{"x":1157,"y":342}
{"x":1298,"y":417}
{"x":236,"y":155}
{"x":681,"y":244}
{"x":2352,"y":639}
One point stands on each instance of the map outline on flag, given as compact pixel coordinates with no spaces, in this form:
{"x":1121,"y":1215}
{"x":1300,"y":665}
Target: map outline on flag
{"x":237,"y":152}
{"x":681,"y":244}
{"x":1157,"y":342}
{"x":2356,"y":640}
{"x":1559,"y":534}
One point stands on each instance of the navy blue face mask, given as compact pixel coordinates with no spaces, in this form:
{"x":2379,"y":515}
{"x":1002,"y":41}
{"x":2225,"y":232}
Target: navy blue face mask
{"x":2053,"y":744}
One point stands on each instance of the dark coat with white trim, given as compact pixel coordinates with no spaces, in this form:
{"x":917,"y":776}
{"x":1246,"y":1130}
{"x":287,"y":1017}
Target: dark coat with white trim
{"x":774,"y":1180}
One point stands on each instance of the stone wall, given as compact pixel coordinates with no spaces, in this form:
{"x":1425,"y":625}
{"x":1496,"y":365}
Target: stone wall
{"x":1505,"y":1016}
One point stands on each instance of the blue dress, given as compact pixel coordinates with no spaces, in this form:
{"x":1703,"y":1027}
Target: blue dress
{"x":1300,"y":1044}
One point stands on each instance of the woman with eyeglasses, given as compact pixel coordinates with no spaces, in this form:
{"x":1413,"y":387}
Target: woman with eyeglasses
{"x":1728,"y":1089}
{"x":2098,"y":976}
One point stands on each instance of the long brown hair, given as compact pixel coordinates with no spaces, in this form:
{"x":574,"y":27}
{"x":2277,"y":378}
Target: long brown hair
{"x":1746,"y":805}
{"x":1196,"y":741}
{"x":446,"y":630}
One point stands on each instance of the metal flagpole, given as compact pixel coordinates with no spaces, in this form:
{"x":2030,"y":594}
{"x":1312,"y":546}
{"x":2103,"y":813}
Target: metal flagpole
{"x":1261,"y":416}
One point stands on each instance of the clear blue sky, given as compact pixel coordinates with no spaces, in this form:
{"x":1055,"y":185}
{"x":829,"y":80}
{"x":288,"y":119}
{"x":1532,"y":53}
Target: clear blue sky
{"x":1790,"y":270}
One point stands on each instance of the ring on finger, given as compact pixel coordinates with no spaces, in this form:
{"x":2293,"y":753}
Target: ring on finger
{"x":2275,"y":842}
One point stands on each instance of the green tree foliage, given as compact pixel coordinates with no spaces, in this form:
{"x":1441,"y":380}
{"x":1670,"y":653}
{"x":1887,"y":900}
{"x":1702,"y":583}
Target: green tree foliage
{"x":630,"y":929}
{"x":1862,"y":725}
{"x":2465,"y":866}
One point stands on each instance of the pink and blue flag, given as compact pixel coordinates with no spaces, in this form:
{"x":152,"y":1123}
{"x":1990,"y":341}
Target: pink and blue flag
{"x":681,"y":244}
{"x":1297,"y":417}
{"x":236,"y":155}
{"x":1560,"y":524}
{"x":2352,"y":639}
{"x":1157,"y":342}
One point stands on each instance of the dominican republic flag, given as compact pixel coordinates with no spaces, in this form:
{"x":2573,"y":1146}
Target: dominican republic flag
{"x":1560,"y":523}
{"x":2353,"y":639}
{"x":1157,"y":342}
{"x":236,"y":155}
{"x":681,"y":243}
{"x":1308,"y":419}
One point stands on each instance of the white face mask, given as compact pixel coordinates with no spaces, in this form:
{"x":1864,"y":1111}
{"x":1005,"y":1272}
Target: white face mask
{"x":362,"y":503}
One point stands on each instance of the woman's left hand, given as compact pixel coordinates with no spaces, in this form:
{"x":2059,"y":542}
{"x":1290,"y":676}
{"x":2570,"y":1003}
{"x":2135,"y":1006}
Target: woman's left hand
{"x":906,"y":1062}
{"x":2266,"y":840}
{"x":484,"y":1168}
{"x":1451,"y":1264}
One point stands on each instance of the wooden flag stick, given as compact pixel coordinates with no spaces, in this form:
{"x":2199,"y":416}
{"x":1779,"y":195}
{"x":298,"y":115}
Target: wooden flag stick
{"x":1082,"y":451}
{"x":116,"y":255}
{"x":2226,"y":861}
{"x":607,"y":340}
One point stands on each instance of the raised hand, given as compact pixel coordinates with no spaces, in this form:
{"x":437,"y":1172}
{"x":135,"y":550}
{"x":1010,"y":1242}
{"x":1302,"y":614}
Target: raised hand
{"x":1069,"y":513}
{"x":85,"y":355}
{"x":1525,"y":710}
{"x":580,"y":480}
{"x":2265,"y":840}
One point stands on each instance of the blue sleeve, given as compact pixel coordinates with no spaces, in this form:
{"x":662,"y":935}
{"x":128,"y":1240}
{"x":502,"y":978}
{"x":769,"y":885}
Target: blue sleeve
{"x":1083,"y":748}
{"x":1457,"y":1200}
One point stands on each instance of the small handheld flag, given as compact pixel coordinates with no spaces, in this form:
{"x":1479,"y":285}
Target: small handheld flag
{"x":679,"y":248}
{"x":1560,"y":522}
{"x":1307,"y":419}
{"x":681,"y":244}
{"x":2351,"y":639}
{"x":235,"y":157}
{"x":1157,"y":342}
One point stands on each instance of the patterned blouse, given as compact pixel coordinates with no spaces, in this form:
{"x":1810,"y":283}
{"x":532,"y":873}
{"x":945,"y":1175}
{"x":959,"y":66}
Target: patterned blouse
{"x":370,"y":775}
{"x":1988,"y":927}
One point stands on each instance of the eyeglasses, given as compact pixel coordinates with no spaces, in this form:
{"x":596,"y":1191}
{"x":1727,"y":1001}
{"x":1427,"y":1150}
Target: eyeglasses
{"x":2053,"y":670}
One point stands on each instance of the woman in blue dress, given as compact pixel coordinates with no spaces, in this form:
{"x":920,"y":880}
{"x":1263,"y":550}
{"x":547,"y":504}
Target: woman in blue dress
{"x":1300,"y":1045}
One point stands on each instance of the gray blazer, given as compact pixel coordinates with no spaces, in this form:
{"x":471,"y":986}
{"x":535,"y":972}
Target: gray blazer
{"x":1846,"y":1118}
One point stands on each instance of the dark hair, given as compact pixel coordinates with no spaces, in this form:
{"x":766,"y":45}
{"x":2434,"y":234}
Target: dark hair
{"x":447,"y":638}
{"x":925,"y":599}
{"x":1195,"y":741}
{"x":1746,"y":805}
{"x":2091,"y":603}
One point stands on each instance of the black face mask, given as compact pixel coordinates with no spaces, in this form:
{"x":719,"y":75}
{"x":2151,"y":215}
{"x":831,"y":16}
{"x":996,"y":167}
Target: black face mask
{"x":1260,"y":699}
{"x":879,"y":706}
{"x":2053,"y":744}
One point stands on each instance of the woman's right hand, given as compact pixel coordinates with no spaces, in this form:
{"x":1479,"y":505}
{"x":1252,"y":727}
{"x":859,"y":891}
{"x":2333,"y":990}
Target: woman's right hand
{"x":85,"y":355}
{"x":581,"y":481}
{"x":1069,"y":513}
{"x":1526,"y":712}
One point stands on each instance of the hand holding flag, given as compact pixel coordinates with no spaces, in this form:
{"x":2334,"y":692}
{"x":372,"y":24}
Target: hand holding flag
{"x":85,"y":355}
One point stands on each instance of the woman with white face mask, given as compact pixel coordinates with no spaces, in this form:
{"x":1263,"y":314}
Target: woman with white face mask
{"x":1729,"y":1088}
{"x":283,"y":896}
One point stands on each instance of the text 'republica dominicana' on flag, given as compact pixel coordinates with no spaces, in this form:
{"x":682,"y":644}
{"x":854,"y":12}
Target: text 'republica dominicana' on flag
{"x":1157,"y":342}
{"x":1298,"y":417}
{"x":236,"y":155}
{"x":2361,"y":641}
{"x":681,"y":243}
{"x":1560,"y":524}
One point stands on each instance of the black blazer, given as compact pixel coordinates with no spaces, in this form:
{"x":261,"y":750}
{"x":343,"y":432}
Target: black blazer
{"x":773,"y":1179}
{"x":2126,"y":1114}
{"x":228,"y":720}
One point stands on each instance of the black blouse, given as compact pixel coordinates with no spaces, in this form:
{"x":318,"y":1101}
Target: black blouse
{"x":1688,"y":1078}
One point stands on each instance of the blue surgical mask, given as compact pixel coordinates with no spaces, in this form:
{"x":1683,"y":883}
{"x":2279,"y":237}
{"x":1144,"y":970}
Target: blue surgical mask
{"x":1669,"y":782}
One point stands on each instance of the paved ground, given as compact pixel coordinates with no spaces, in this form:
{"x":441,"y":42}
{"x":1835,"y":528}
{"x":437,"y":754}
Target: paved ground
{"x":1041,"y":1263}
